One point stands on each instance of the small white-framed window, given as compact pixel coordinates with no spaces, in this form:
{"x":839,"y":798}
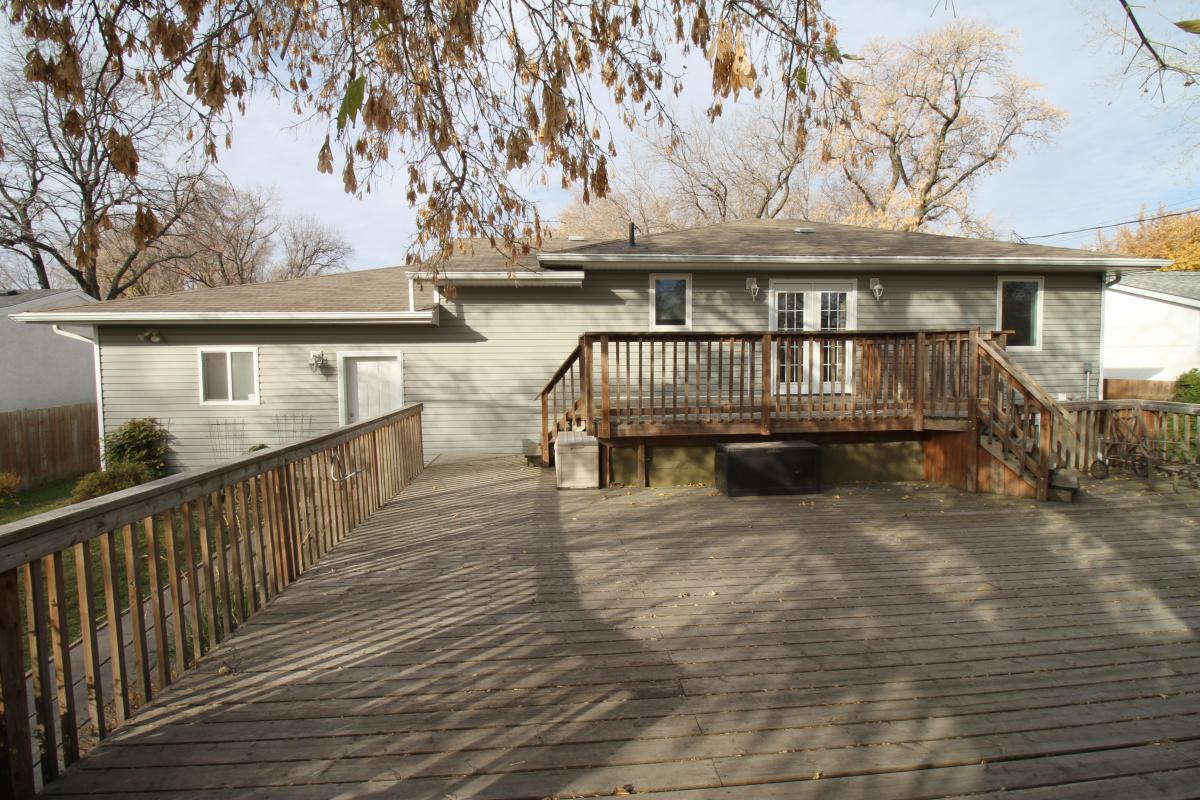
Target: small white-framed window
{"x":1019,"y":309}
{"x":671,"y":302}
{"x":228,"y":375}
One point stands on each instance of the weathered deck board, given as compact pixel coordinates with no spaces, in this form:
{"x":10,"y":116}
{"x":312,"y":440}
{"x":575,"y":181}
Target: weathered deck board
{"x":484,"y":636}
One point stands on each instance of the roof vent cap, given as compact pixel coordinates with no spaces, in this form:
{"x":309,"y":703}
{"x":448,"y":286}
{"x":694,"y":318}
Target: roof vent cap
{"x":804,"y":230}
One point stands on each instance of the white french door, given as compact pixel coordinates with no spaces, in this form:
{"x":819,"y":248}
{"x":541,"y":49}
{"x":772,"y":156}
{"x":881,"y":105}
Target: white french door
{"x":799,"y":306}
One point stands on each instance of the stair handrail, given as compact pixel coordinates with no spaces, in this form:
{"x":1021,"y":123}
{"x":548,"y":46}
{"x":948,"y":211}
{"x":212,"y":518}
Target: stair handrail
{"x":561,"y":371}
{"x":571,"y":405}
{"x":1056,"y":432}
{"x":1028,"y":382}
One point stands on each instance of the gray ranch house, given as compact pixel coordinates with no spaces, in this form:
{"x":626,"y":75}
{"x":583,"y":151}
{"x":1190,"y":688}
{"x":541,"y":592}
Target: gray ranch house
{"x":739,"y":329}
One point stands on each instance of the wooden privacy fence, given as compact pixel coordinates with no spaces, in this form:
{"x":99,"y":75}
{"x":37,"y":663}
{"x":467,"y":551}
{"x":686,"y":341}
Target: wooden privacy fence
{"x":179,"y":564}
{"x":1121,"y":389}
{"x":45,"y":444}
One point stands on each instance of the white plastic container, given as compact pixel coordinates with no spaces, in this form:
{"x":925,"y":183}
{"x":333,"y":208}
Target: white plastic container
{"x":577,"y":460}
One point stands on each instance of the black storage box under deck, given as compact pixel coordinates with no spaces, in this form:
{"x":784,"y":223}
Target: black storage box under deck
{"x":762,"y":468}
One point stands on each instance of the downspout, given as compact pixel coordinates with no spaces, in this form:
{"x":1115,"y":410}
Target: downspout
{"x":412,"y":300}
{"x":99,"y":383}
{"x":1105,"y":284}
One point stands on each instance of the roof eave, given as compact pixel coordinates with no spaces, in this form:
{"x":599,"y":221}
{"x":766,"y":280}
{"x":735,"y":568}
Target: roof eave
{"x":426,"y":317}
{"x":636,"y":261}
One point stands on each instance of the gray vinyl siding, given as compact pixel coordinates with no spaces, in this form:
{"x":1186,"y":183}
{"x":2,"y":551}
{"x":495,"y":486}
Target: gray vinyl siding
{"x":478,"y":371}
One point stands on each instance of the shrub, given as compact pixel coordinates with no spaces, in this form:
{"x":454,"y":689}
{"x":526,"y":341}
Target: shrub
{"x":9,"y":484}
{"x":1187,"y":387}
{"x":119,"y":475}
{"x":254,"y":448}
{"x":139,"y":441}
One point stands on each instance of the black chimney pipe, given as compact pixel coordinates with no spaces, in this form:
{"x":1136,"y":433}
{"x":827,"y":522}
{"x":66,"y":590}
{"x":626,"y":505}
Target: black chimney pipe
{"x":632,"y":243}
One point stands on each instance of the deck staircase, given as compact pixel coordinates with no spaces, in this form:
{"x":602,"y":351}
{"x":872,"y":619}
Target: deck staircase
{"x":952,"y":386}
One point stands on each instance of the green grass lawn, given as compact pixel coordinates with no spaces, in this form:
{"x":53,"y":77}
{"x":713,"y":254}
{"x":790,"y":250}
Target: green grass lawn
{"x":35,"y":501}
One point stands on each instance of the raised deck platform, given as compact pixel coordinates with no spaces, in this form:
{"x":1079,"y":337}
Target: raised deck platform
{"x":484,"y":636}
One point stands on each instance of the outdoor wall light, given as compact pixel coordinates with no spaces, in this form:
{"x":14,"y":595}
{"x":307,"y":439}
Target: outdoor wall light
{"x":877,"y":288}
{"x":318,"y":362}
{"x":150,"y":335}
{"x":752,"y":287}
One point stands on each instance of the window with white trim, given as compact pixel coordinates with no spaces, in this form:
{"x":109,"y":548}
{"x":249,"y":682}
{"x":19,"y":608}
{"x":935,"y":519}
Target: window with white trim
{"x":229,"y":375}
{"x":1019,"y":309}
{"x":671,"y":302}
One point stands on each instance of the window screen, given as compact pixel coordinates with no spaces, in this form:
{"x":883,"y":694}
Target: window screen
{"x":241,"y":368}
{"x":1019,"y":312}
{"x":670,"y":301}
{"x":227,"y":376}
{"x":216,"y":376}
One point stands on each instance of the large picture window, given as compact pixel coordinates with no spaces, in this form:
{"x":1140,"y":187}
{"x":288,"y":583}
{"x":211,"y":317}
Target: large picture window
{"x":229,"y":375}
{"x":670,"y":302}
{"x":1019,"y":309}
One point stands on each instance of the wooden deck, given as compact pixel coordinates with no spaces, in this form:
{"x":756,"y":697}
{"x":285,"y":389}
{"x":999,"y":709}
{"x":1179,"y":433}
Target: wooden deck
{"x":484,"y":636}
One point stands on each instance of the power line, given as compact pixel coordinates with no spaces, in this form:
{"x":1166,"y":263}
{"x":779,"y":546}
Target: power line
{"x":1112,"y":225}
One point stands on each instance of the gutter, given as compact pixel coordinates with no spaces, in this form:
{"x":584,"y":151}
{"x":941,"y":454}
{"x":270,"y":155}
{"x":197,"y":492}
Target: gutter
{"x":643,"y":260}
{"x":427,"y":317}
{"x":569,"y":279}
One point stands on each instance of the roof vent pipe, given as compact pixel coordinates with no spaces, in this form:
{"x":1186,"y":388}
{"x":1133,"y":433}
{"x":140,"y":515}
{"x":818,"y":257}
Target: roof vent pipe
{"x":632,"y":237}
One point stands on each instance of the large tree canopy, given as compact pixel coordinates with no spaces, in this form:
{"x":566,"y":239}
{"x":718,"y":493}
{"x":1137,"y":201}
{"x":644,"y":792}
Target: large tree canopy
{"x":89,"y":175}
{"x":937,"y":113}
{"x":1174,"y":235}
{"x":460,"y":95}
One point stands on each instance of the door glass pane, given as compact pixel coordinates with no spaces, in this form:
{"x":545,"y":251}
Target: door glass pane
{"x":834,"y":317}
{"x":1018,"y":312}
{"x":833,"y":311}
{"x":215,"y":377}
{"x":242,"y":365}
{"x":789,"y":316}
{"x":670,"y":301}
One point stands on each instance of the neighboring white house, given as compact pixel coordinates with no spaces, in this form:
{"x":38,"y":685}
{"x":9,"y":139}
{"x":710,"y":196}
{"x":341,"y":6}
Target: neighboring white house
{"x":1152,"y":326}
{"x":39,"y":368}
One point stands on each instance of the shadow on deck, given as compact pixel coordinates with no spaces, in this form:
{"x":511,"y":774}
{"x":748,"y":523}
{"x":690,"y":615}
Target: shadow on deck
{"x":485,"y":636}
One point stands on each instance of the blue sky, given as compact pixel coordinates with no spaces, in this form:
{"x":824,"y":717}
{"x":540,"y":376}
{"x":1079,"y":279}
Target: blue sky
{"x":1120,"y":150}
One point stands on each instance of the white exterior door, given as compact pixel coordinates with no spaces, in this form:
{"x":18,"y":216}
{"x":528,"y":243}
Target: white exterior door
{"x":371,"y":385}
{"x":813,"y":306}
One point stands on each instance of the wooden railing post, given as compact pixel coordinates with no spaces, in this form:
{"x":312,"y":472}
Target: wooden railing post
{"x":1045,"y":445}
{"x":16,"y":744}
{"x":585,"y":383}
{"x":765,"y":422}
{"x":545,"y":430}
{"x":605,"y":401}
{"x":919,"y":387}
{"x":973,"y":411}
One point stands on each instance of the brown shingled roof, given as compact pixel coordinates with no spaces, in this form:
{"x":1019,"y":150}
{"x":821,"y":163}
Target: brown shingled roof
{"x":372,"y":290}
{"x":386,"y":289}
{"x":778,"y":237}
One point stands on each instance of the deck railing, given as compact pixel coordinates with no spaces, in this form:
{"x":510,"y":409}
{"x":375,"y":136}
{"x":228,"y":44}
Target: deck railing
{"x":621,"y":385}
{"x":178,"y":564}
{"x":1168,"y":431}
